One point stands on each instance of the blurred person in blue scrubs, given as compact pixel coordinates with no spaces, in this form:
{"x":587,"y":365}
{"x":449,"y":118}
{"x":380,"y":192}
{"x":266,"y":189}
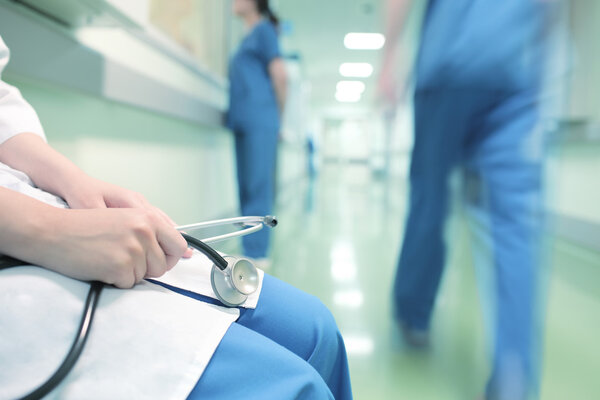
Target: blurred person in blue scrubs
{"x":258,"y":85}
{"x":476,"y":104}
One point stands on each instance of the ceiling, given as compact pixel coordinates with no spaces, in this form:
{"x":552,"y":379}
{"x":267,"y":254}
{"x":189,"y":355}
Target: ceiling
{"x":317,"y":34}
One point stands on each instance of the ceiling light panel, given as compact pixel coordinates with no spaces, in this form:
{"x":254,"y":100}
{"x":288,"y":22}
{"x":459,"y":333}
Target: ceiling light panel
{"x":356,"y":70}
{"x":364,"y":41}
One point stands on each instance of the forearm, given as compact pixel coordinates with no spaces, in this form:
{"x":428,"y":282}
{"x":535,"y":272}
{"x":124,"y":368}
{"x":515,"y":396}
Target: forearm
{"x":46,"y":167}
{"x":396,"y":13}
{"x":25,"y":223}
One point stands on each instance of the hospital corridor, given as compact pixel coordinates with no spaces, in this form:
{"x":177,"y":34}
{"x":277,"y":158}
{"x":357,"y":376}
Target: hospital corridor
{"x":285,"y":199}
{"x":334,"y":254}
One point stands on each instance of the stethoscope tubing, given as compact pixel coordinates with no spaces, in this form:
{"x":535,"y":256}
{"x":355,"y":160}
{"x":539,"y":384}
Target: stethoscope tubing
{"x":85,"y":324}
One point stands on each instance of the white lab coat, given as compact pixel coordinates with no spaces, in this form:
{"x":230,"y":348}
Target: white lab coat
{"x":146,"y":343}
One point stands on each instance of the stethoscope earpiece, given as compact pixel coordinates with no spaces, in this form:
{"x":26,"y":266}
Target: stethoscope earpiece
{"x":234,"y":284}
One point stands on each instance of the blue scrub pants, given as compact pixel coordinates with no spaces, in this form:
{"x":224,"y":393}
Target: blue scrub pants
{"x":493,"y":136}
{"x":289,"y":347}
{"x":256,"y":149}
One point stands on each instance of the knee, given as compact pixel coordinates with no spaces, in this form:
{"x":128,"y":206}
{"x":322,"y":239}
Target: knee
{"x":294,"y":318}
{"x":304,"y":314}
{"x":325,"y":320}
{"x":296,"y":378}
{"x":324,"y":326}
{"x":311,"y":385}
{"x":307,"y":383}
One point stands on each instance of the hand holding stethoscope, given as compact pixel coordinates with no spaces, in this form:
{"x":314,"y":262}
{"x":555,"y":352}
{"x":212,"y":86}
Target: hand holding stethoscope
{"x":233,"y":279}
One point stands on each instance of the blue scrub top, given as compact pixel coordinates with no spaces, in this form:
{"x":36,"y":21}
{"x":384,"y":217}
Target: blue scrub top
{"x":251,"y":93}
{"x":483,"y":44}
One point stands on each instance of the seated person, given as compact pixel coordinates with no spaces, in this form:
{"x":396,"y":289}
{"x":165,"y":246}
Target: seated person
{"x":147,"y":341}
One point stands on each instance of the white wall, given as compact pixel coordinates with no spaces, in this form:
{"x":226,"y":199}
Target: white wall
{"x":184,"y":168}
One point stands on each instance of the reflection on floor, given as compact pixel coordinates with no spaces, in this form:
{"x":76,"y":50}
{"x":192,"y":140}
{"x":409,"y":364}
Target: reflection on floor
{"x":338,"y":239}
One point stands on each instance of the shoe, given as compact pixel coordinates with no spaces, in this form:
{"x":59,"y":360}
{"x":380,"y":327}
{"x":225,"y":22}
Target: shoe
{"x":415,"y":338}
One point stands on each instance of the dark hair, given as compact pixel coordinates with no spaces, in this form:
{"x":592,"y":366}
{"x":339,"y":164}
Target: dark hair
{"x":265,"y":9}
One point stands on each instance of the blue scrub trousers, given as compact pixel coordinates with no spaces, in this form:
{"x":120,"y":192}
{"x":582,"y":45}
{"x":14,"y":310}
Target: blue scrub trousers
{"x":493,"y":136}
{"x":256,"y":149}
{"x":289,"y":347}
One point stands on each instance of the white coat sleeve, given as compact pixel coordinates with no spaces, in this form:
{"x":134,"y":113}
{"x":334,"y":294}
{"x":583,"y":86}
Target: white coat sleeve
{"x":16,"y":115}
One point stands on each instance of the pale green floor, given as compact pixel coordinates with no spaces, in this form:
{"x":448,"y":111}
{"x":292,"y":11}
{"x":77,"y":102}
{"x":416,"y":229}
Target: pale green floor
{"x":338,"y":239}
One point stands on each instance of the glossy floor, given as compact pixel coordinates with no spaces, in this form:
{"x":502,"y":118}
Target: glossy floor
{"x":338,"y":239}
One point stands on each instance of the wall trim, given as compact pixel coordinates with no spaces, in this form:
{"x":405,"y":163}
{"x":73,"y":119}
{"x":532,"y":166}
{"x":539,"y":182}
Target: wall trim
{"x":65,"y":62}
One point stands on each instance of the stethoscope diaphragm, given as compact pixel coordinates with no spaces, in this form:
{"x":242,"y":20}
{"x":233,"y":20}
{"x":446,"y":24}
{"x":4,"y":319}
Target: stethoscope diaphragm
{"x":234,"y":284}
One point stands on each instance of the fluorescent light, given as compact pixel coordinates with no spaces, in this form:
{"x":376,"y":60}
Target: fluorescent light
{"x":356,"y":70}
{"x":348,"y":298}
{"x":358,"y":345}
{"x":350,"y":87}
{"x":343,"y":260}
{"x":364,"y":41}
{"x":344,"y":97}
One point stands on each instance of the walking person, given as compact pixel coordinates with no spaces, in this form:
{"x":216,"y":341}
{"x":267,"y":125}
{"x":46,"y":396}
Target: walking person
{"x":476,"y":105}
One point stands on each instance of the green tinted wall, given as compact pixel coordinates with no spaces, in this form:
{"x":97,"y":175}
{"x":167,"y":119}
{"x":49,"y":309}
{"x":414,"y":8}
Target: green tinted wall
{"x":186,"y":169}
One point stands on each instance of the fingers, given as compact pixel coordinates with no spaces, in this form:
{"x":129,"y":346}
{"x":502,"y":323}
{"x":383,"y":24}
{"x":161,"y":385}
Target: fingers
{"x":165,"y":247}
{"x":130,"y":269}
{"x":86,"y":202}
{"x":94,"y":203}
{"x":140,"y":268}
{"x":157,"y":262}
{"x":172,"y":243}
{"x":164,"y":216}
{"x":118,"y":197}
{"x":124,"y":246}
{"x":189,"y":252}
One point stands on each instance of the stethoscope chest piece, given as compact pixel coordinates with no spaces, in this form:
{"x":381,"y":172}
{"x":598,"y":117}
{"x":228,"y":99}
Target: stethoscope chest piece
{"x":234,"y":284}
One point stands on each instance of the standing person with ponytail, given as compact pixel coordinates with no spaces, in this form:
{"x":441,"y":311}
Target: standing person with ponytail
{"x":258,"y":85}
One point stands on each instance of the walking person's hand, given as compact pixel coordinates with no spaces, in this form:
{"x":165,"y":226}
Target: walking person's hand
{"x":387,"y":86}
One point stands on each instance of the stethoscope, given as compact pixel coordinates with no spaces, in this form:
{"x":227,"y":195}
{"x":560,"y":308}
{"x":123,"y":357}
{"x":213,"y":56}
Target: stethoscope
{"x":232,"y":279}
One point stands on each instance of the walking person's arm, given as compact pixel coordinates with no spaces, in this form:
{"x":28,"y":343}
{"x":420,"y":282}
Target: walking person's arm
{"x":396,"y":13}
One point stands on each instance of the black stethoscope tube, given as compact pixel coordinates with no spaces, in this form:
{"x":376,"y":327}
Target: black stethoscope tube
{"x":205,"y":249}
{"x":91,"y":303}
